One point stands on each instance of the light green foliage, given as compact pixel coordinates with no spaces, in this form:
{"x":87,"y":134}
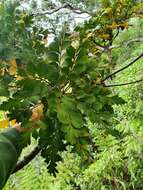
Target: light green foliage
{"x":33,"y":176}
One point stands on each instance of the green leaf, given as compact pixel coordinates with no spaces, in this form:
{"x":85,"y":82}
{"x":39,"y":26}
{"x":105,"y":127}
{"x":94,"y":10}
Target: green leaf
{"x":4,"y":90}
{"x":76,"y":119}
{"x":31,"y":87}
{"x":68,"y":114}
{"x":84,"y":141}
{"x":51,"y":141}
{"x":71,"y":51}
{"x":63,"y":109}
{"x":117,"y":100}
{"x":71,"y":134}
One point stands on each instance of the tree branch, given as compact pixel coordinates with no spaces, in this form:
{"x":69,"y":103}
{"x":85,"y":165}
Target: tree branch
{"x":115,"y":36}
{"x":28,"y":158}
{"x":100,"y":46}
{"x":126,"y":43}
{"x":65,"y":6}
{"x":133,"y":41}
{"x":123,"y":68}
{"x":123,"y":84}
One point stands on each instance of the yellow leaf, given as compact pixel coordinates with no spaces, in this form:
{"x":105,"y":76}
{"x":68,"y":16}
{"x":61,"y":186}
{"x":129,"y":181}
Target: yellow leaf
{"x":30,"y":77}
{"x":104,"y":36}
{"x":12,"y":122}
{"x":12,"y":67}
{"x":75,"y":44}
{"x":2,"y":71}
{"x":4,"y":123}
{"x":112,"y":26}
{"x":37,"y":112}
{"x":95,"y":50}
{"x":119,"y":25}
{"x":124,"y":25}
{"x":18,"y":77}
{"x":89,"y":34}
{"x":98,"y":80}
{"x":108,"y":11}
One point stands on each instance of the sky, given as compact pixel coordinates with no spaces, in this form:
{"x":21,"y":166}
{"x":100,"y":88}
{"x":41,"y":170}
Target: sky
{"x":78,"y":18}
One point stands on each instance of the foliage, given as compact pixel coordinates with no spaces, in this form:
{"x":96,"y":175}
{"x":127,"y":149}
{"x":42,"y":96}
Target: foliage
{"x":67,"y":79}
{"x":33,"y":176}
{"x":117,"y":153}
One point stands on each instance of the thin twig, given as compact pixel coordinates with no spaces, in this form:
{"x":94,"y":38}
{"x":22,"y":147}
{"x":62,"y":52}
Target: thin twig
{"x":65,"y":6}
{"x":123,"y":68}
{"x":28,"y":158}
{"x":126,"y":43}
{"x":101,"y":47}
{"x":123,"y":84}
{"x":118,"y":31}
{"x":133,"y":41}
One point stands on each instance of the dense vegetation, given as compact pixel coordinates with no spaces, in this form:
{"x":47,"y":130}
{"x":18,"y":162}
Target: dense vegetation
{"x":86,"y":87}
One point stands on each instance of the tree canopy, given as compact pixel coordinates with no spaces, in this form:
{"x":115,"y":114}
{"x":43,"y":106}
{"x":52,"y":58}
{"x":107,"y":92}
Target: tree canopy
{"x":69,"y":81}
